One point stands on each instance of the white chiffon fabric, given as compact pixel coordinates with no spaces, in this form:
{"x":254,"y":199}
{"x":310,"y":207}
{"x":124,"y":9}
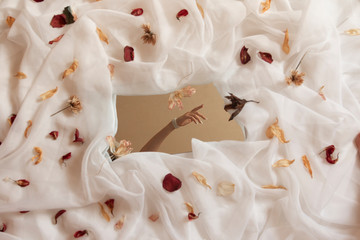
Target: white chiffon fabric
{"x":194,"y":50}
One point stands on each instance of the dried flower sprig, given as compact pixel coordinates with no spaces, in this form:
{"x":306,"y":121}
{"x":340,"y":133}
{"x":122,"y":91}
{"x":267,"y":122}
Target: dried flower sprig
{"x":237,"y":104}
{"x":175,"y":97}
{"x":116,"y":149}
{"x":295,"y":76}
{"x":149,"y":36}
{"x":74,"y":105}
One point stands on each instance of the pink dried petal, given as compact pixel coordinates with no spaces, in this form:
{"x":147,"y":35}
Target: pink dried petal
{"x":3,"y":228}
{"x":58,"y":21}
{"x":137,"y":12}
{"x":244,"y":55}
{"x":182,"y":13}
{"x":266,"y":57}
{"x":66,"y":156}
{"x":80,"y":233}
{"x":129,"y":54}
{"x":58,"y":214}
{"x":110,"y":204}
{"x":171,"y":183}
{"x":77,"y":138}
{"x":54,"y":134}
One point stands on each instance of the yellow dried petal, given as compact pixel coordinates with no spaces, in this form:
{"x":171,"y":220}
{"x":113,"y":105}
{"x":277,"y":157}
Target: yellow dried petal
{"x":225,"y":188}
{"x":20,"y":75}
{"x":71,"y":69}
{"x":275,"y":130}
{"x":321,"y":93}
{"x":354,"y":31}
{"x":285,"y":46}
{"x":283,"y":163}
{"x":154,"y":217}
{"x":10,"y":20}
{"x":265,"y":6}
{"x":307,"y":164}
{"x":111,"y":68}
{"x":27,"y":129}
{"x":200,"y":9}
{"x":201,"y":179}
{"x":104,"y":213}
{"x":48,"y":94}
{"x":102,"y":35}
{"x":38,"y":155}
{"x":119,"y":224}
{"x":274,"y":187}
{"x":189,"y":207}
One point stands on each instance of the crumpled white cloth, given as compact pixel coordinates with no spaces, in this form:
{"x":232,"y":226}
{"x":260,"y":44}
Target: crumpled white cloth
{"x":190,"y":51}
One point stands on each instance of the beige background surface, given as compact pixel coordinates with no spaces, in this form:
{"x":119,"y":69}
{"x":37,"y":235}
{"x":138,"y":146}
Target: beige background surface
{"x":141,"y":117}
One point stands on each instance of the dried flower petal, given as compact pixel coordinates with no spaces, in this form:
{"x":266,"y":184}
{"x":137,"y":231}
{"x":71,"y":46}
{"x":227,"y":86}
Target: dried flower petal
{"x":274,"y":187}
{"x":11,"y":119}
{"x":65,"y":157}
{"x":80,"y":233}
{"x":38,"y":155}
{"x":38,"y":0}
{"x":201,"y":179}
{"x":20,"y":182}
{"x":110,"y":204}
{"x":58,"y":21}
{"x":321,"y":93}
{"x":104,"y":213}
{"x":58,"y":214}
{"x":48,"y":94}
{"x":54,"y":134}
{"x":181,"y":13}
{"x":71,"y":69}
{"x":225,"y":188}
{"x":111,"y":68}
{"x":306,"y":163}
{"x":275,"y":130}
{"x":27,"y":129}
{"x":191,"y":214}
{"x":56,"y":39}
{"x":265,"y":6}
{"x":244,"y":55}
{"x":171,"y":183}
{"x":149,"y":36}
{"x":119,"y":224}
{"x":77,"y":137}
{"x":354,"y":31}
{"x":20,"y":75}
{"x":266,"y":57}
{"x":175,"y":97}
{"x":70,"y":16}
{"x":3,"y":228}
{"x":102,"y":35}
{"x":137,"y":12}
{"x":24,"y":211}
{"x":295,"y":77}
{"x":129,"y":54}
{"x":10,"y":20}
{"x":329,"y":151}
{"x":154,"y":217}
{"x":283,"y":163}
{"x":75,"y":104}
{"x":118,"y":149}
{"x":237,"y":104}
{"x":200,"y":9}
{"x":285,"y":46}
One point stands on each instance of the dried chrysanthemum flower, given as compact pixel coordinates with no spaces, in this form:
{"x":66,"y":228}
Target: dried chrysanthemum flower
{"x":175,"y":97}
{"x":295,"y":77}
{"x":118,"y":149}
{"x":74,"y":105}
{"x":149,"y":36}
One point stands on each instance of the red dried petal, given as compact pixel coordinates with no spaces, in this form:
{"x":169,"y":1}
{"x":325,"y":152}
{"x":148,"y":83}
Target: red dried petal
{"x":129,"y":54}
{"x":56,"y":39}
{"x":24,"y":211}
{"x":182,"y":13}
{"x":137,"y":12}
{"x":22,"y":182}
{"x":193,"y":216}
{"x":54,"y":134}
{"x":110,"y":204}
{"x":80,"y":233}
{"x":332,"y":161}
{"x":38,"y":0}
{"x":11,"y":119}
{"x":77,"y":138}
{"x":66,"y":156}
{"x":58,"y":21}
{"x":244,"y":56}
{"x":171,"y":183}
{"x":3,"y":228}
{"x":58,"y":214}
{"x":266,"y":57}
{"x":330,"y":149}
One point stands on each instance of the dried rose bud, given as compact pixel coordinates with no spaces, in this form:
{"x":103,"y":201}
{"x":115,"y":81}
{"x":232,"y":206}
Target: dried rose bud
{"x":110,"y":204}
{"x":129,"y":54}
{"x":77,"y":137}
{"x":182,"y":13}
{"x":137,"y":12}
{"x":171,"y":183}
{"x":54,"y":134}
{"x":80,"y":233}
{"x":58,"y":214}
{"x":266,"y":57}
{"x":244,"y":55}
{"x":58,"y":21}
{"x":3,"y":228}
{"x":24,"y":211}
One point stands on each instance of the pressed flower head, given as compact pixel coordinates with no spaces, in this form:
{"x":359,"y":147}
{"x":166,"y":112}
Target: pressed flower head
{"x":149,"y":36}
{"x":295,"y":77}
{"x":75,"y":104}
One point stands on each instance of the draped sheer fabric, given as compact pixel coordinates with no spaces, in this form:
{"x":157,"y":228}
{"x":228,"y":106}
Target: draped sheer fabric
{"x":192,"y":50}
